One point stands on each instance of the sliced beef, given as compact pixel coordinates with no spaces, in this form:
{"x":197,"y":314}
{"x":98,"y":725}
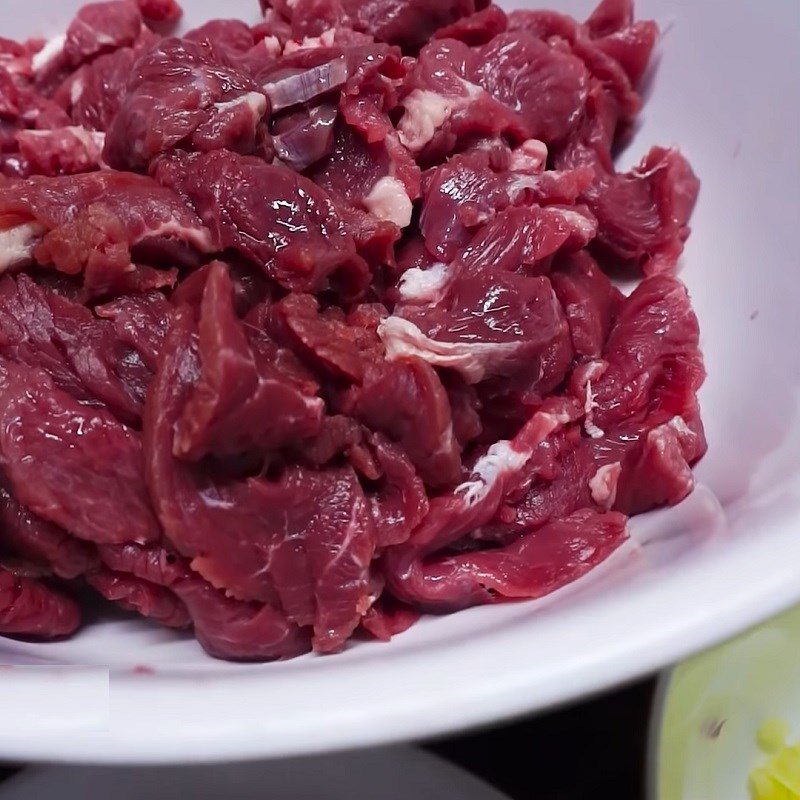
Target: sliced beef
{"x":589,"y":300}
{"x":135,"y":594}
{"x":380,"y":178}
{"x":514,"y":85}
{"x":160,"y":11}
{"x":226,"y":628}
{"x":246,"y":396}
{"x":305,"y":540}
{"x":24,"y":534}
{"x":96,"y":224}
{"x":31,"y":608}
{"x":468,"y":190}
{"x":419,"y":573}
{"x":405,"y":400}
{"x":71,"y":464}
{"x":409,"y":23}
{"x":399,"y":503}
{"x":181,"y":94}
{"x":101,"y":27}
{"x":279,"y":220}
{"x":476,"y":29}
{"x":97,"y":90}
{"x":81,"y":353}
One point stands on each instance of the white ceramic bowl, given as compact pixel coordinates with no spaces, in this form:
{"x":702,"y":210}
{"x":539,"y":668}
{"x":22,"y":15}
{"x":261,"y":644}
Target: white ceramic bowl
{"x":726,"y":90}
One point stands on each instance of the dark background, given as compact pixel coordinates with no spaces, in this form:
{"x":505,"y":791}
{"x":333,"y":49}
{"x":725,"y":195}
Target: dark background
{"x":587,"y":751}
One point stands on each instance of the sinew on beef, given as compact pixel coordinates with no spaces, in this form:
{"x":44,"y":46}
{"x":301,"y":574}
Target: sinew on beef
{"x":306,"y":327}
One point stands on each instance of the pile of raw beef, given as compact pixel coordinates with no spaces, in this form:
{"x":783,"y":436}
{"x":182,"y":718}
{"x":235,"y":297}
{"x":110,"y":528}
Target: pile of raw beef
{"x":305,"y":326}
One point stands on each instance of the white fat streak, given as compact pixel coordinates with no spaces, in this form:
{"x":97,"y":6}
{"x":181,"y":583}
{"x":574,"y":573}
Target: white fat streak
{"x":76,"y":90}
{"x":588,"y":407}
{"x":530,"y":156}
{"x":584,"y":225}
{"x":603,"y":484}
{"x":403,"y":339}
{"x":256,"y":101}
{"x":16,"y":244}
{"x":501,"y":457}
{"x":50,"y":51}
{"x":93,"y":141}
{"x":424,"y":284}
{"x":679,"y":424}
{"x":676,"y":430}
{"x":389,"y":201}
{"x":199,"y":238}
{"x":272,"y":45}
{"x":425,"y":112}
{"x":504,"y":457}
{"x":325,"y":39}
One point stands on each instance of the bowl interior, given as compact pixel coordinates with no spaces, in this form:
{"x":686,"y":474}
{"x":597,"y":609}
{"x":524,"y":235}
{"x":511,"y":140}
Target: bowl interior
{"x":725,"y":92}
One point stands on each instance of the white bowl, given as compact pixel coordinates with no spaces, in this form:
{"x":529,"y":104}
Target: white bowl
{"x":726,"y":90}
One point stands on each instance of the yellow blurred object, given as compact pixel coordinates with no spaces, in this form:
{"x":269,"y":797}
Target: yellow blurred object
{"x":779,"y":778}
{"x":772,"y":735}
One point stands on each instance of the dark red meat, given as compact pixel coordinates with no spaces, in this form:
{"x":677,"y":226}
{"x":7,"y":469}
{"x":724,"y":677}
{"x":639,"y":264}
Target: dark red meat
{"x":478,"y":28}
{"x":135,"y":594}
{"x":24,"y":534}
{"x":160,"y":10}
{"x":101,"y":27}
{"x":96,"y":224}
{"x":227,"y":628}
{"x":30,"y":608}
{"x":319,"y":574}
{"x":514,"y":85}
{"x":181,"y":93}
{"x":71,"y":464}
{"x":82,"y":354}
{"x":310,"y":328}
{"x":272,"y":216}
{"x":409,"y":23}
{"x":589,"y":300}
{"x":405,"y":400}
{"x":97,"y":90}
{"x":246,"y":396}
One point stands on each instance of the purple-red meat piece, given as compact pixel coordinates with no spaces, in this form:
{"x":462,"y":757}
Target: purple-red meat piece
{"x":478,"y":28}
{"x":408,"y":23}
{"x":276,"y":218}
{"x":30,"y":608}
{"x":318,"y":574}
{"x":71,"y":464}
{"x":96,"y":224}
{"x":514,"y":85}
{"x":24,"y":534}
{"x":226,"y":628}
{"x":399,"y":503}
{"x":246,"y":396}
{"x":82,"y":354}
{"x":97,"y":90}
{"x":160,"y":10}
{"x":405,"y":400}
{"x":100,"y":27}
{"x":181,"y":94}
{"x":589,"y":300}
{"x":134,"y":594}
